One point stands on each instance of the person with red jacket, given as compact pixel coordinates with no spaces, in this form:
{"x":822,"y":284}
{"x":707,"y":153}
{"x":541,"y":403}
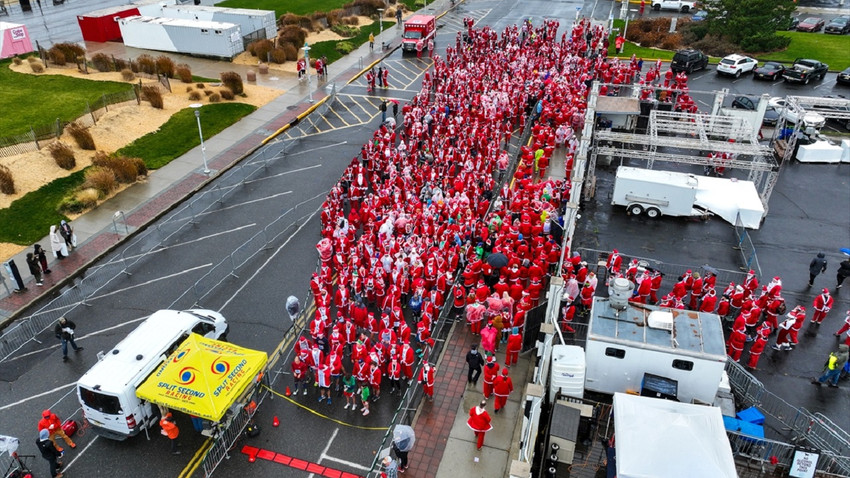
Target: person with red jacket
{"x":407,"y":359}
{"x":657,"y":278}
{"x":51,"y":422}
{"x":479,"y":422}
{"x":800,"y":313}
{"x":502,"y":388}
{"x":822,"y":305}
{"x":426,"y":379}
{"x":783,"y":340}
{"x":514,"y":347}
{"x":758,"y":346}
{"x":171,"y":431}
{"x":394,"y":375}
{"x":735,"y":343}
{"x":323,"y":378}
{"x":709,"y":301}
{"x":612,"y":265}
{"x":300,"y":371}
{"x":491,"y":370}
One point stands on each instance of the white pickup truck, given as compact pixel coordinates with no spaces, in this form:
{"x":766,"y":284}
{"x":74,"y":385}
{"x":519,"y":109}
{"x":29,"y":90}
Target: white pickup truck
{"x":679,"y":5}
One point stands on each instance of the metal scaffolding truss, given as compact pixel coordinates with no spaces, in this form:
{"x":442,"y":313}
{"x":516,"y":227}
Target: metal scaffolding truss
{"x":684,"y":138}
{"x":835,"y":108}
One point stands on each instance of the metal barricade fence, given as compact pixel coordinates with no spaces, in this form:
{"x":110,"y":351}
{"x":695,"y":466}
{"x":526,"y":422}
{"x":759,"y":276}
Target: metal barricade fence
{"x":148,"y":241}
{"x":749,"y":258}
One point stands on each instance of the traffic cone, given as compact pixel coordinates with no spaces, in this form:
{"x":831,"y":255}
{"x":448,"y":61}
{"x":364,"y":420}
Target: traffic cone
{"x":275,"y":422}
{"x":288,"y":392}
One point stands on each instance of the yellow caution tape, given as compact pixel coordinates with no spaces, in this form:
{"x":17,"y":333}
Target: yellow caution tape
{"x":339,"y":422}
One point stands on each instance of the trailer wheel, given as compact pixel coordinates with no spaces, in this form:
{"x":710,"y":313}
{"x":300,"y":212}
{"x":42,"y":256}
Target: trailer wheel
{"x":653,"y":213}
{"x":635,"y":210}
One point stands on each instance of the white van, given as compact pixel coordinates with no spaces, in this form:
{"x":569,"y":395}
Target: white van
{"x":107,"y":392}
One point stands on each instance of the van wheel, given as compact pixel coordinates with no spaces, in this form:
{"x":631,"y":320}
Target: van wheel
{"x":635,"y":210}
{"x":656,"y":7}
{"x":685,"y":8}
{"x":738,"y":74}
{"x":653,"y":213}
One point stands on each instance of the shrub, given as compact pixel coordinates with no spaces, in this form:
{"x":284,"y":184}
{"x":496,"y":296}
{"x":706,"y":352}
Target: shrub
{"x":184,"y":73}
{"x":293,"y":34}
{"x":208,"y":92}
{"x":82,"y":136}
{"x":200,"y":86}
{"x":261,"y":48}
{"x":344,"y":47}
{"x":71,"y":53}
{"x":101,"y":179}
{"x":128,"y":74}
{"x":298,"y":20}
{"x":101,"y":62}
{"x":290,"y":51}
{"x":232,"y":80}
{"x":121,"y":64}
{"x":190,"y":89}
{"x":56,"y":56}
{"x":152,"y":94}
{"x":226,"y":93}
{"x":345,"y":30}
{"x":368,"y":7}
{"x":17,"y":61}
{"x":165,"y":66}
{"x":80,"y":201}
{"x":351,"y":20}
{"x":713,"y":45}
{"x":215,"y":98}
{"x":63,"y":155}
{"x":672,"y":41}
{"x":100,"y":159}
{"x":125,"y":169}
{"x":37,"y":67}
{"x":32,"y":59}
{"x":194,"y":95}
{"x":7,"y":182}
{"x":278,"y":56}
{"x":147,"y":64}
{"x":134,"y":66}
{"x":139,"y":163}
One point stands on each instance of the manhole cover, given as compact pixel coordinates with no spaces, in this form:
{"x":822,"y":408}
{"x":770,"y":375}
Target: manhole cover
{"x":291,"y":107}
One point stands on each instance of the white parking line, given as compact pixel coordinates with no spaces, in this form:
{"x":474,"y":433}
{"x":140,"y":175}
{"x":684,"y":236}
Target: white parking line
{"x":247,"y":202}
{"x":80,"y":454}
{"x":38,"y":395}
{"x":290,"y":172}
{"x":210,"y":236}
{"x":169,"y":276}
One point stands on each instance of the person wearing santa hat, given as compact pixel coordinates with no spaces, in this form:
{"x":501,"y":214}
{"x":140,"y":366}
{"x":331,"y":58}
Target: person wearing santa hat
{"x":736,"y":341}
{"x":514,"y":347}
{"x":758,"y":346}
{"x":709,"y":301}
{"x":822,"y":304}
{"x":426,"y":379}
{"x":502,"y":388}
{"x":612,"y":265}
{"x":783,"y":340}
{"x":800,"y":312}
{"x":479,"y":422}
{"x":491,"y":370}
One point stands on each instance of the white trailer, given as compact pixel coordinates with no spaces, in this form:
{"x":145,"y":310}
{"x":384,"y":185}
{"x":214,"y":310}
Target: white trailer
{"x":257,"y":24}
{"x":193,"y":37}
{"x":655,"y":193}
{"x":623,"y":346}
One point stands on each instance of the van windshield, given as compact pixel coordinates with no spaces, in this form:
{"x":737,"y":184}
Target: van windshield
{"x":107,"y":404}
{"x":413,"y":34}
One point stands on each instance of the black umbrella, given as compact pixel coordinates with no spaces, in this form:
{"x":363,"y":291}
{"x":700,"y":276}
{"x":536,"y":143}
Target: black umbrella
{"x":497,"y":260}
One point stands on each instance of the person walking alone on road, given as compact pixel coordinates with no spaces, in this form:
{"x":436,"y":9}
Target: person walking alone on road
{"x":371,"y":42}
{"x":35,"y":268}
{"x":57,"y":244}
{"x":51,"y":422}
{"x":479,"y":422}
{"x":475,"y":361}
{"x":834,"y":365}
{"x":39,"y":254}
{"x":817,"y":266}
{"x":64,"y":331}
{"x":383,"y":108}
{"x":169,"y":429}
{"x":843,"y":273}
{"x":49,"y":453}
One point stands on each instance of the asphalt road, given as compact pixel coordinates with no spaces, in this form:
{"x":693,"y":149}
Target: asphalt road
{"x":253,"y":302}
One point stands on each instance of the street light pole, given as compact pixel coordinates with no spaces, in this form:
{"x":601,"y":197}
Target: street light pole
{"x":381,"y":29}
{"x":306,"y":49}
{"x":197,"y":107}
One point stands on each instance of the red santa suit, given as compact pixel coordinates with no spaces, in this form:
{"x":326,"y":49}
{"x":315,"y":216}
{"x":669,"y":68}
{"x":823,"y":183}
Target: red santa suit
{"x":822,"y":305}
{"x":800,"y":313}
{"x":758,"y":346}
{"x":613,"y":263}
{"x":513,"y":348}
{"x":783,"y":340}
{"x":735,"y":344}
{"x":491,"y":370}
{"x":479,"y":422}
{"x":709,"y":301}
{"x":408,"y":358}
{"x":502,"y":387}
{"x":426,"y":379}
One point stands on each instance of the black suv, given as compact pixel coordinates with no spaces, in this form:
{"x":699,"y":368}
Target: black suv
{"x":688,"y":61}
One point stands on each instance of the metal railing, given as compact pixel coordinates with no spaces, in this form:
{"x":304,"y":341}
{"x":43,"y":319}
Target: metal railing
{"x":801,"y":425}
{"x":155,"y":237}
{"x":744,"y":245}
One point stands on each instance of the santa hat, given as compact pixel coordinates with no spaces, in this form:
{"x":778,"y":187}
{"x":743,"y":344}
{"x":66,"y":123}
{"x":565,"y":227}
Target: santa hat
{"x":491,"y":359}
{"x":825,"y":290}
{"x":505,"y":371}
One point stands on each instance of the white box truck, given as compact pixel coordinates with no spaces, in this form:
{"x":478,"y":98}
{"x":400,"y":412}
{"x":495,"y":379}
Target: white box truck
{"x":630,"y":341}
{"x":107,"y":392}
{"x":655,"y":193}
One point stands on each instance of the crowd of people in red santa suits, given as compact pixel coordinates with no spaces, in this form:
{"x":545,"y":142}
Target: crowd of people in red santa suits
{"x":421,"y":204}
{"x":755,"y":313}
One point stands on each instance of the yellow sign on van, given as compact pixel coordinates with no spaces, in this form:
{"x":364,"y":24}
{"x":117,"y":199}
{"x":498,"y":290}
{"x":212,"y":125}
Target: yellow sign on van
{"x":203,"y":377}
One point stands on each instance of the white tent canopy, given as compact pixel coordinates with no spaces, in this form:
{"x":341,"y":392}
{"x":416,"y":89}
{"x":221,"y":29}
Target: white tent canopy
{"x":665,"y":439}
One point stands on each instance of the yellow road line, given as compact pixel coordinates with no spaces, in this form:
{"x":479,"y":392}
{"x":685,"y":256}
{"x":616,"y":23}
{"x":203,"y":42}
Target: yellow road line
{"x":196,"y":460}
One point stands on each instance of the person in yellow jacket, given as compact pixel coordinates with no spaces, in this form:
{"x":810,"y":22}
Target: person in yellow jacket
{"x":169,"y":429}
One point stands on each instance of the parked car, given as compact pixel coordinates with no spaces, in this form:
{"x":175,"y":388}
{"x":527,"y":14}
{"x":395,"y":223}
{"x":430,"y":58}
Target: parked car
{"x":791,"y":113}
{"x":771,"y":71}
{"x":793,"y":24}
{"x":699,"y":16}
{"x":839,"y":25}
{"x":811,"y":24}
{"x":680,"y":5}
{"x":688,"y":61}
{"x":771,"y":116}
{"x":736,"y":65}
{"x":844,"y":77}
{"x":804,"y":70}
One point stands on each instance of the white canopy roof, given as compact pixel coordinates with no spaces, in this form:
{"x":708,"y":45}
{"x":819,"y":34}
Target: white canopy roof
{"x":664,"y":439}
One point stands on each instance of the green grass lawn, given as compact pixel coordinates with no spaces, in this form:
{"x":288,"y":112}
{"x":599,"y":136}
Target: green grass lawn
{"x":830,"y":49}
{"x":328,"y":48}
{"x":29,"y":218}
{"x":35,"y":100}
{"x":180,"y":133}
{"x":298,"y":7}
